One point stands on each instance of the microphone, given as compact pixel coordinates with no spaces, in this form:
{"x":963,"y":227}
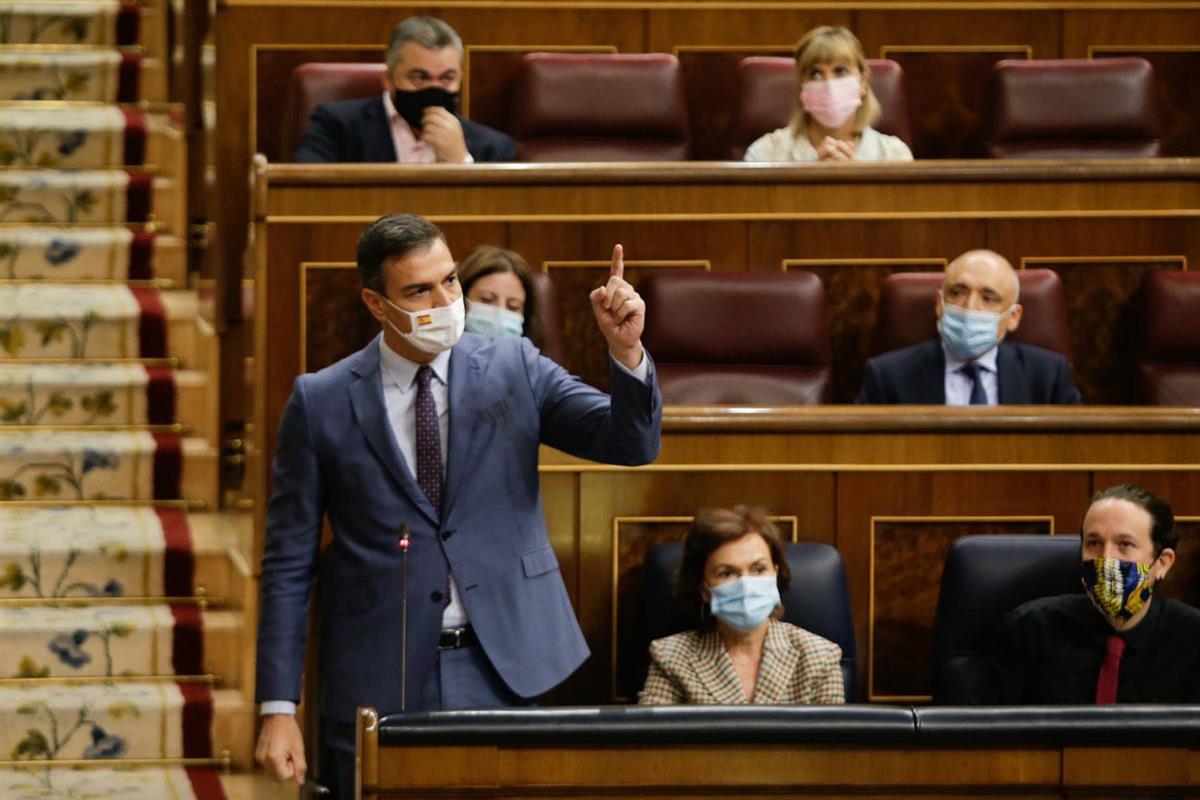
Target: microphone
{"x":403,"y":543}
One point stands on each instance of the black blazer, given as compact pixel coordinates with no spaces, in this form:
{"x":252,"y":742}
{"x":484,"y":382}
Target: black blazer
{"x":350,"y":131}
{"x":916,"y":375}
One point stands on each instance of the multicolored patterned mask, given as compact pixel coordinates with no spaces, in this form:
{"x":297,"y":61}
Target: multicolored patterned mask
{"x":1119,"y":589}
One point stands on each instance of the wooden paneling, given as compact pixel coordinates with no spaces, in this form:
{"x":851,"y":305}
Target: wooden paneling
{"x":852,"y":228}
{"x":1103,"y":318}
{"x":906,"y":555}
{"x":713,"y":93}
{"x":1177,"y":93}
{"x":948,"y":101}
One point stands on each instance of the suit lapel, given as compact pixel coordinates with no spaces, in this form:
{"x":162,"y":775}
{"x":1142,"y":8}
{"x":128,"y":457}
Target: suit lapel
{"x":715,"y":672}
{"x":777,"y":667}
{"x":930,"y":379}
{"x":366,"y":398}
{"x":1011,"y":386}
{"x":378,"y":142}
{"x":465,"y":386}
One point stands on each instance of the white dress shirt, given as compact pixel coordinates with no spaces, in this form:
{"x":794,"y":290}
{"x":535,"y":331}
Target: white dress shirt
{"x":781,"y":145}
{"x":399,"y":377}
{"x":958,"y":385}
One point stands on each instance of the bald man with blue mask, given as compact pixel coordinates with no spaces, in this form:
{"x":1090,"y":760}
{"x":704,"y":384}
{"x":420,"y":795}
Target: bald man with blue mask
{"x":972,"y":362}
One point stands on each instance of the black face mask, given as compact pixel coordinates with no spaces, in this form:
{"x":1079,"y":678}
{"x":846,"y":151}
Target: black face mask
{"x":411,"y":105}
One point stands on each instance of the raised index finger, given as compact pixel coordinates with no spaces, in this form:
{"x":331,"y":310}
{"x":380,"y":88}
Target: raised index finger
{"x":618,"y":262}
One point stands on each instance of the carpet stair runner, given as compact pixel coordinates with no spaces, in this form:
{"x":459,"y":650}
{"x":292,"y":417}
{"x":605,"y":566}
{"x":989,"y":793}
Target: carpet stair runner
{"x":91,"y":197}
{"x":80,"y":253}
{"x":122,"y":637}
{"x":76,"y":73}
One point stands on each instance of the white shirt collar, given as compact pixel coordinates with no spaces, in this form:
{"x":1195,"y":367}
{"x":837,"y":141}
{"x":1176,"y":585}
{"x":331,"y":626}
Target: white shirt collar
{"x":987,"y":361}
{"x":396,"y":369}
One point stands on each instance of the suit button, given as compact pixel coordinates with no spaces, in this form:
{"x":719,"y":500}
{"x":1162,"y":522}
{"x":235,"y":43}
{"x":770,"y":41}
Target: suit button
{"x":446,"y":535}
{"x":436,"y":596}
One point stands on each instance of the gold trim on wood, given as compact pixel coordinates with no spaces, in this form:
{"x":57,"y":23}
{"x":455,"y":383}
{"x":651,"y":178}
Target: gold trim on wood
{"x":767,"y":49}
{"x":1182,"y":260}
{"x":682,"y":263}
{"x":804,"y":263}
{"x":1134,"y":49}
{"x":954,"y":48}
{"x":617,"y":520}
{"x":871,"y":696}
{"x":860,"y":467}
{"x":749,"y":216}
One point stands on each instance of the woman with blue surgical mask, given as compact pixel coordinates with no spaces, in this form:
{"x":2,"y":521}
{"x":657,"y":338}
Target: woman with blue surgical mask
{"x":739,"y":651}
{"x":501,"y":300}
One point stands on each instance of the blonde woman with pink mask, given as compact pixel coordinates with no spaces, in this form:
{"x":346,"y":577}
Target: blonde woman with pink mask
{"x":835,"y":108}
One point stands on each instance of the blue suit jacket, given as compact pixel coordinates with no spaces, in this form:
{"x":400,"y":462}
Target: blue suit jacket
{"x":353,"y":131}
{"x":916,"y":375}
{"x":337,"y":455}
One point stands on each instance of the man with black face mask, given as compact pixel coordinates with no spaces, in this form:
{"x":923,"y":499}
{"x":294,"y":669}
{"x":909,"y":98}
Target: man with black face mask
{"x":416,"y":120}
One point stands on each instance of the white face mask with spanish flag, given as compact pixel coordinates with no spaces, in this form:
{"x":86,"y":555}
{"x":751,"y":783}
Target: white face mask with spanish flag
{"x":433,"y":329}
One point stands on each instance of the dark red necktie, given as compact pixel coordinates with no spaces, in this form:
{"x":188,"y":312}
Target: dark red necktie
{"x":1106,"y":686}
{"x":429,"y":440}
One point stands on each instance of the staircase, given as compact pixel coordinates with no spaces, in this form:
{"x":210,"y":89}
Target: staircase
{"x":124,"y":652}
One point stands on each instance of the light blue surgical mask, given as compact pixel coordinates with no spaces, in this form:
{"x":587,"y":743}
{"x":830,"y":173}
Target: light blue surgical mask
{"x":969,"y":334}
{"x":745,"y":603}
{"x":488,"y":320}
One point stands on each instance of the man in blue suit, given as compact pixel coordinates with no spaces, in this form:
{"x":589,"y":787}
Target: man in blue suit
{"x":414,"y":120}
{"x":971,"y":363}
{"x":440,"y":588}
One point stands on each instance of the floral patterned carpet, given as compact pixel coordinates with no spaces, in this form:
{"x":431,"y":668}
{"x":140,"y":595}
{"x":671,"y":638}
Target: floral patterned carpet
{"x":103,"y":685}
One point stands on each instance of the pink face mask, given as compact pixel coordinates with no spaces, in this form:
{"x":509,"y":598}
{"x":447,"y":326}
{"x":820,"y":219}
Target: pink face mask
{"x":832,"y":102}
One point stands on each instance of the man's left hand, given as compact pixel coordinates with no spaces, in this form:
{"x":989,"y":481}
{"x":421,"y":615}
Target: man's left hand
{"x":442,"y":131}
{"x":620,"y":313}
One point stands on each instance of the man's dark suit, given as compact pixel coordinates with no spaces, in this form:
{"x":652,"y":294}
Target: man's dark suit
{"x":337,"y":456}
{"x":916,"y":375}
{"x":353,"y":131}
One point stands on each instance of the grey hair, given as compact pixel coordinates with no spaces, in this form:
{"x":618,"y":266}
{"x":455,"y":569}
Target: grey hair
{"x":429,"y":32}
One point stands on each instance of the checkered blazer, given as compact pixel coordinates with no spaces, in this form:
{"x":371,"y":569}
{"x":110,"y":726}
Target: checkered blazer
{"x":796,"y":667}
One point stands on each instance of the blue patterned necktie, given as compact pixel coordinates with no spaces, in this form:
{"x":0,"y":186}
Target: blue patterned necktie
{"x":429,"y":442}
{"x":974,"y":372}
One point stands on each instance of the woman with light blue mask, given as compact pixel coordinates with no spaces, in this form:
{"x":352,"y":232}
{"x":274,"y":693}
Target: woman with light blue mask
{"x":740,"y":651}
{"x":501,"y":300}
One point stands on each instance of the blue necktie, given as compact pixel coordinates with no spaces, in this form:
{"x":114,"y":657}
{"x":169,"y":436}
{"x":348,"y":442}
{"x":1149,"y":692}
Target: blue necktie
{"x":975,"y":373}
{"x":429,"y":442}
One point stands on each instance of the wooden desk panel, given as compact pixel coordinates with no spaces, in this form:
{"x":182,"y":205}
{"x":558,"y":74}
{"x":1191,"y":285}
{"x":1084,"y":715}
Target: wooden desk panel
{"x":852,"y":226}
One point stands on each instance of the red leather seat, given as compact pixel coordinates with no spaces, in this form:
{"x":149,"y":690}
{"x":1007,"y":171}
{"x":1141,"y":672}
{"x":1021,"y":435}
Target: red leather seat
{"x":316,"y":83}
{"x":1169,"y":354}
{"x":600,"y":107}
{"x":738,"y":337}
{"x":1074,"y":108}
{"x":767,"y":98}
{"x":908,"y":302}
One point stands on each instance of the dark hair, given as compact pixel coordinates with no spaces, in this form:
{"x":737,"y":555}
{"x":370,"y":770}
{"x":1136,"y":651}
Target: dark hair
{"x":712,"y":528}
{"x":429,"y":32}
{"x":488,"y":260}
{"x":393,"y":236}
{"x":1162,"y":529}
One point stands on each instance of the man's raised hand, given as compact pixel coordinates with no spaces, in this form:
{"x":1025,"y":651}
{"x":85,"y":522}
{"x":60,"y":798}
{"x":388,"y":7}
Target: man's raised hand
{"x":620,"y":313}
